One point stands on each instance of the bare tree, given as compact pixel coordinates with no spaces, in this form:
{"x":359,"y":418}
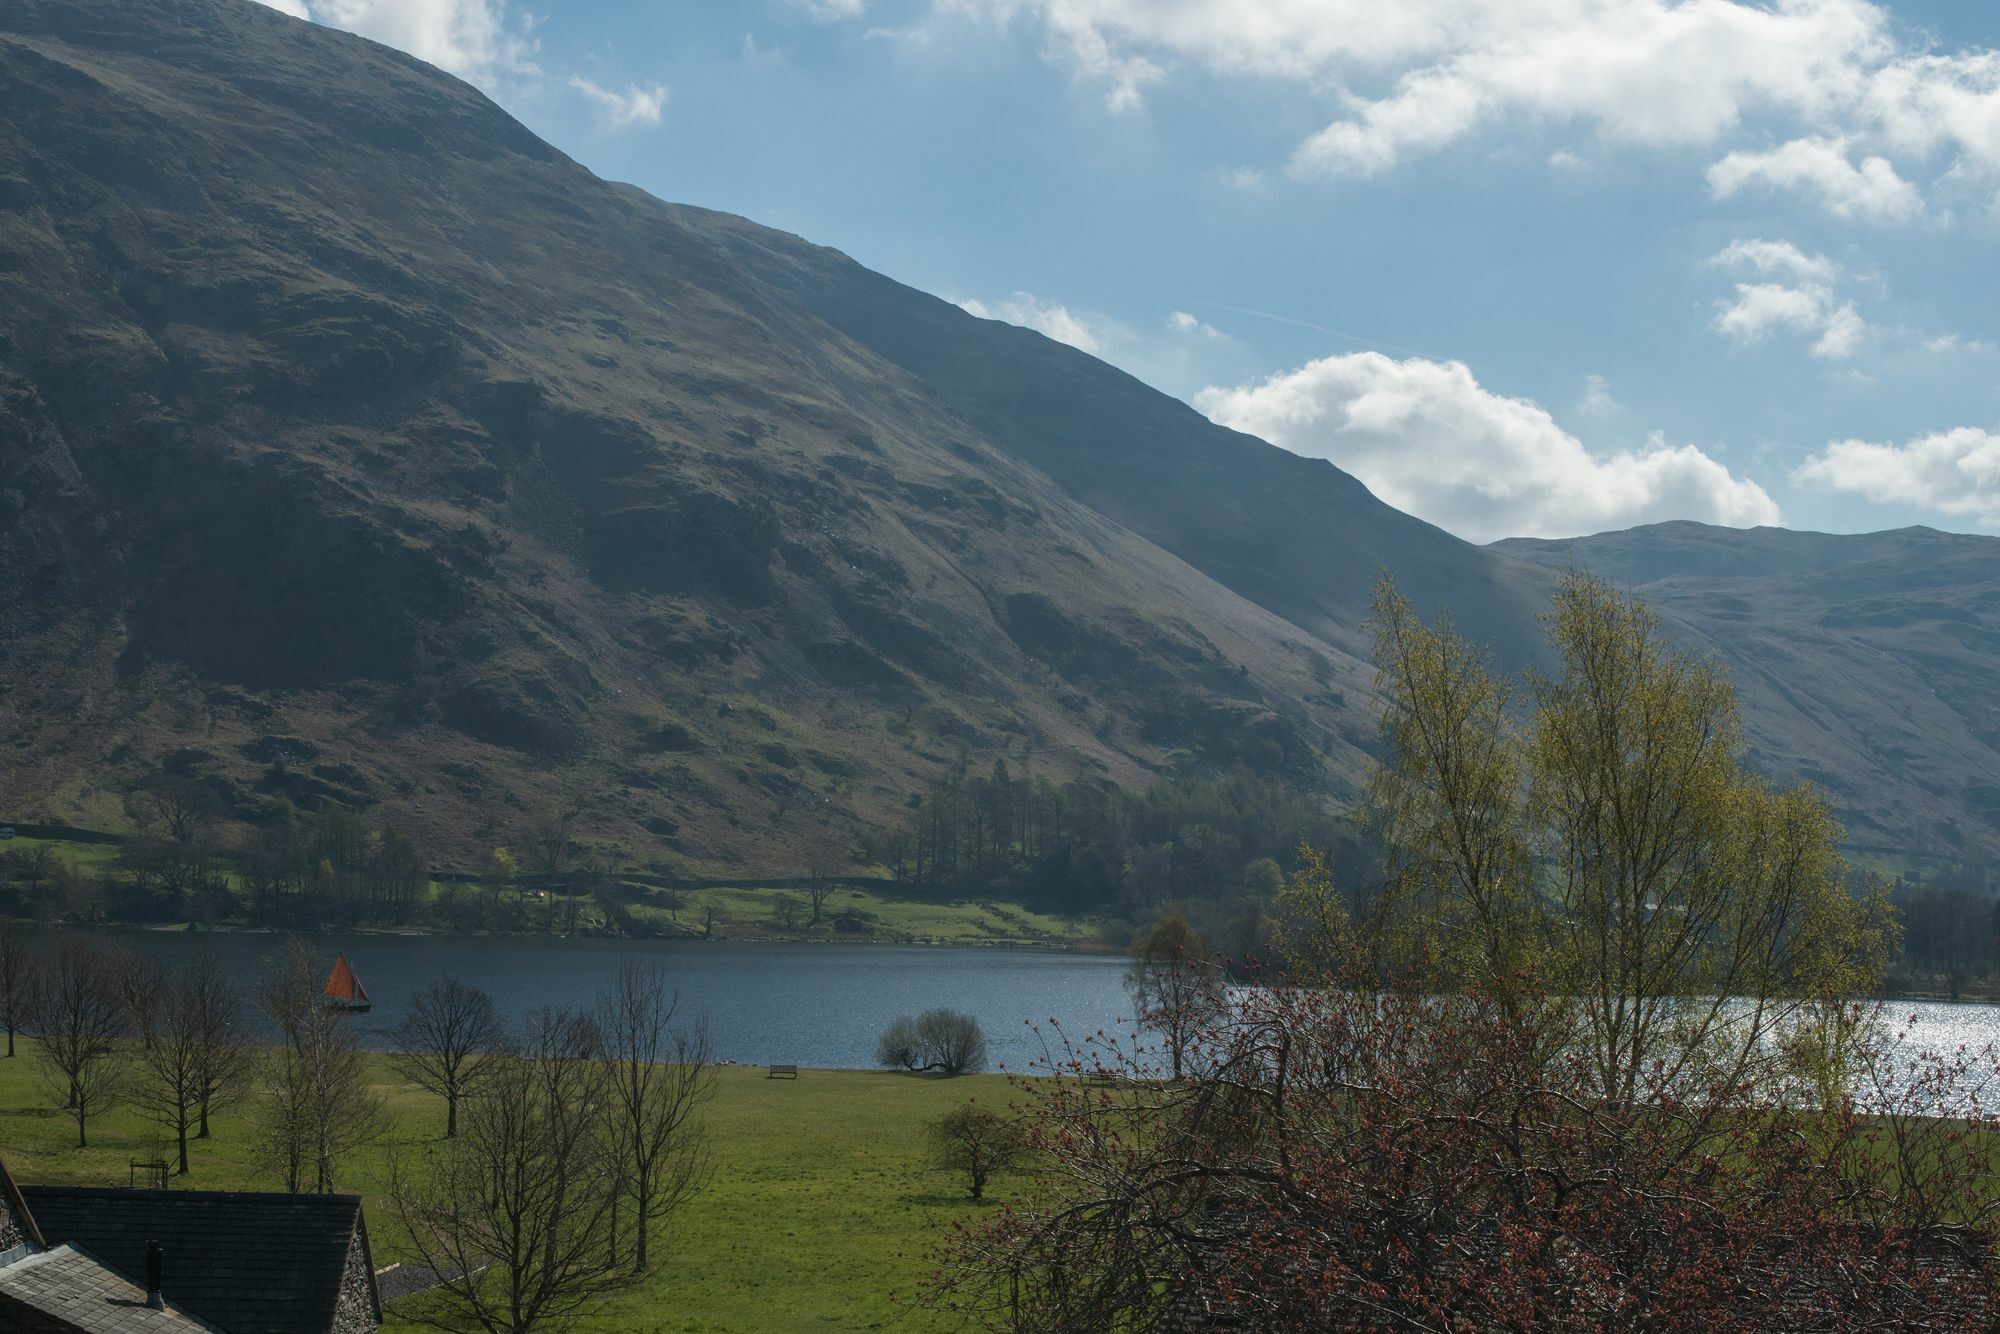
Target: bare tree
{"x":1174,"y":984}
{"x":223,"y":1057}
{"x":444,"y":1042}
{"x":80,"y":1021}
{"x":316,"y":1104}
{"x":788,"y":911}
{"x":18,"y":976}
{"x":975,"y":1142}
{"x":941,"y":1040}
{"x":184,"y":807}
{"x":823,"y":863}
{"x":142,"y":985}
{"x":551,"y":841}
{"x":517,"y":1211}
{"x":660,"y":1076}
{"x":36,"y":867}
{"x":175,"y":1062}
{"x":953,"y":1042}
{"x":899,"y":1047}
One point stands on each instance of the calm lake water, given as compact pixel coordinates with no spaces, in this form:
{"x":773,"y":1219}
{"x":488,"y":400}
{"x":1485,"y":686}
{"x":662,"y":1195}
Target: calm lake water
{"x":808,"y":1004}
{"x":812,"y":1005}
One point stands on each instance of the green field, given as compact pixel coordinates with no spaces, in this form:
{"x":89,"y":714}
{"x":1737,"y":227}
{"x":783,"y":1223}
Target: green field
{"x":819,"y":1215}
{"x":880,"y":914}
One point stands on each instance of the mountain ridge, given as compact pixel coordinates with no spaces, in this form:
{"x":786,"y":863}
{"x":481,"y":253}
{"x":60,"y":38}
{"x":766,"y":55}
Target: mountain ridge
{"x":355,"y":445}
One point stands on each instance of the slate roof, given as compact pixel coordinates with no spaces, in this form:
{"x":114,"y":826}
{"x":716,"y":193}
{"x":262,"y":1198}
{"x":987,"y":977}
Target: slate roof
{"x":69,"y":1288}
{"x":251,"y":1262}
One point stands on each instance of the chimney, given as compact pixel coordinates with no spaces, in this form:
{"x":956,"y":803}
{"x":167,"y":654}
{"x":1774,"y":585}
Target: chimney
{"x":154,"y":1302}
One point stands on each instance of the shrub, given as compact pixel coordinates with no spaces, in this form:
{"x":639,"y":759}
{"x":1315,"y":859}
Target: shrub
{"x":942,"y":1040}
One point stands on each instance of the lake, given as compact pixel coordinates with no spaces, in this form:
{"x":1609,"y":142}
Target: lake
{"x":806,"y":1004}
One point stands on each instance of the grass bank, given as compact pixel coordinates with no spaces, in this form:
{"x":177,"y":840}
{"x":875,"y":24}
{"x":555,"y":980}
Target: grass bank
{"x":818,"y":1217}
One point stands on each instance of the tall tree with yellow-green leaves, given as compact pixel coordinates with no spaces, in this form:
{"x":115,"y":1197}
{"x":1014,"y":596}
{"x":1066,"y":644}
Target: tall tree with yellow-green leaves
{"x":1594,"y":838}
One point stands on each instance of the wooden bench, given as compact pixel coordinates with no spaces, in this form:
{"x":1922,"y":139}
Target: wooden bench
{"x":783,"y":1072}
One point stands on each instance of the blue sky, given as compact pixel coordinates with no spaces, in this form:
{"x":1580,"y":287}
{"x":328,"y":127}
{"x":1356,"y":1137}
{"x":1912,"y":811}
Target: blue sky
{"x":1525,"y":268}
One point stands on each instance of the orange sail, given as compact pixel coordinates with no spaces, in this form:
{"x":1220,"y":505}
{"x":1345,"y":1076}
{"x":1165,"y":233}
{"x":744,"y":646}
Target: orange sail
{"x":343,"y":987}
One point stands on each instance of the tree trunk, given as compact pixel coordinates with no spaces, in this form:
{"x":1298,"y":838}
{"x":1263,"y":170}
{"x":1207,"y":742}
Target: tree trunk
{"x":201,"y":1131}
{"x":644,"y":1199}
{"x":183,"y":1131}
{"x":82,"y":1139}
{"x":451,"y":1116}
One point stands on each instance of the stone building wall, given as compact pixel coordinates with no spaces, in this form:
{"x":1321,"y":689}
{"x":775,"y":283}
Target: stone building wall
{"x":356,"y":1312}
{"x":10,"y":1227}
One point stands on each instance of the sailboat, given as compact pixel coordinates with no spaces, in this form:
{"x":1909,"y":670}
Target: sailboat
{"x":343,"y":989}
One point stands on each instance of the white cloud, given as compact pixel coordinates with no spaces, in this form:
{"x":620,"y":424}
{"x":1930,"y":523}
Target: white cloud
{"x":1181,"y":322}
{"x":1923,"y":103}
{"x":1031,"y":312}
{"x":637,"y":105}
{"x":1597,"y":400}
{"x":1866,"y":104}
{"x":1800,"y":297}
{"x":1953,"y":472}
{"x":1427,"y":438}
{"x":1648,"y":71}
{"x":1872,"y":192}
{"x":482,"y":41}
{"x":1842,"y":334}
{"x":296,"y":8}
{"x":833,"y":11}
{"x":1950,"y":342}
{"x":1777,"y":257}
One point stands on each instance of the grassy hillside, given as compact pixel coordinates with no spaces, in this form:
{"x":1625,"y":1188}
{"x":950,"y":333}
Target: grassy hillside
{"x":819,"y":1215}
{"x":365,"y":449}
{"x":358,"y":447}
{"x":1886,"y":643}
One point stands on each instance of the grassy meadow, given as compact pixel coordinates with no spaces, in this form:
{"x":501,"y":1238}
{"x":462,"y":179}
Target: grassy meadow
{"x":818,"y":1217}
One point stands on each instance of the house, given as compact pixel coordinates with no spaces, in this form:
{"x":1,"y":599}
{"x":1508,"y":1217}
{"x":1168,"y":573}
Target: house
{"x":115,"y":1261}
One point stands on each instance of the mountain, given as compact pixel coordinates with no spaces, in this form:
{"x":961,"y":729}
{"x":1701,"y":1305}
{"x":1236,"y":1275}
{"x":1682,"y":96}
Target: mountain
{"x":356,"y":445}
{"x":1868,"y":662}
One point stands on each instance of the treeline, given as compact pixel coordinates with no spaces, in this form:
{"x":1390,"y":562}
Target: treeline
{"x":1215,"y":849}
{"x":1095,"y":845}
{"x":1950,"y":929}
{"x":333,"y":867}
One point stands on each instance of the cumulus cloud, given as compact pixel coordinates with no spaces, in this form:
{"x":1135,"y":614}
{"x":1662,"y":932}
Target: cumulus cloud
{"x":1417,"y":75}
{"x":1953,"y":472}
{"x":1821,"y":168}
{"x":1427,"y":438}
{"x":1044,"y":317}
{"x":639,"y":104}
{"x":1797,"y":294}
{"x":481,"y":41}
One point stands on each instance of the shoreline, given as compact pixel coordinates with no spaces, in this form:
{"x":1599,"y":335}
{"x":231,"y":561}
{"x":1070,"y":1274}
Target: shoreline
{"x":1081,"y":947}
